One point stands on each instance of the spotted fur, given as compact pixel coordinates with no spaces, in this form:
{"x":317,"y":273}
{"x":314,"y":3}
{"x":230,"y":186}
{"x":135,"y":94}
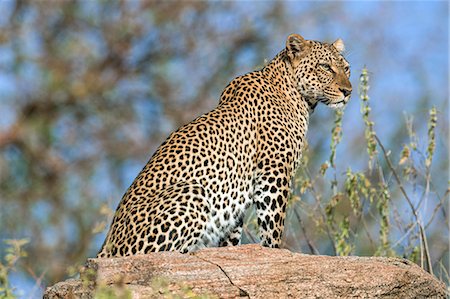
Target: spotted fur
{"x":196,"y":188}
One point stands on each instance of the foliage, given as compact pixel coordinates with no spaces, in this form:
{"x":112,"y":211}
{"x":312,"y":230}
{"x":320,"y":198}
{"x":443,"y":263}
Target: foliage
{"x":360,"y":201}
{"x":160,"y":287}
{"x":95,"y":93}
{"x":13,"y":253}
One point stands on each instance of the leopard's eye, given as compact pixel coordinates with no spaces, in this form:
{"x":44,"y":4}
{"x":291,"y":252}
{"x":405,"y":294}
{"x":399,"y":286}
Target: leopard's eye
{"x":326,"y":67}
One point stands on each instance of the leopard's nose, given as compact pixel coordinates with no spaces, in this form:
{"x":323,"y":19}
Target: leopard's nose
{"x":345,"y":91}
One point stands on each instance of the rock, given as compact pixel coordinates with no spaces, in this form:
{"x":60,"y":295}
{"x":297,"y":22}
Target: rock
{"x":251,"y":271}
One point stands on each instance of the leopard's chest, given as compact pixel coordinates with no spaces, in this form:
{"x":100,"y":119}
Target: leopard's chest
{"x":227,"y":212}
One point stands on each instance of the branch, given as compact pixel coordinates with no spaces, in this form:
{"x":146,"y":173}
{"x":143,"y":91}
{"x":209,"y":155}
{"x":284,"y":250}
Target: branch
{"x":403,"y":191}
{"x":311,"y":246}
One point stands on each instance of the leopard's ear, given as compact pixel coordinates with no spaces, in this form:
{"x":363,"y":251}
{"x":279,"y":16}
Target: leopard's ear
{"x":339,"y":45}
{"x":296,"y":46}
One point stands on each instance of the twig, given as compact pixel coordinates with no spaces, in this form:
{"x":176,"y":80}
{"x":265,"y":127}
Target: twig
{"x":312,"y":248}
{"x":38,"y":281}
{"x":369,"y":237}
{"x":321,"y":210}
{"x":439,"y":206}
{"x":249,"y":234}
{"x":416,"y":216}
{"x":403,"y":237}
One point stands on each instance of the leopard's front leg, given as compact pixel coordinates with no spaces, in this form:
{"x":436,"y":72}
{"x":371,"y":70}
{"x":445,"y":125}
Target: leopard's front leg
{"x":270,"y":199}
{"x":234,"y":237}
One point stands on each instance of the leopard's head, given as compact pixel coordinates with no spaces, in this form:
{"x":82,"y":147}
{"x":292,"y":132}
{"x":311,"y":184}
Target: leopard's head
{"x":320,"y":71}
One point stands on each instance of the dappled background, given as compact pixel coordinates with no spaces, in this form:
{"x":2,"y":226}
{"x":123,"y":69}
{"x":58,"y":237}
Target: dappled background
{"x":88,"y":90}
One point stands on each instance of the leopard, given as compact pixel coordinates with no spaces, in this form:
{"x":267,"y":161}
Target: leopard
{"x":195,"y":190}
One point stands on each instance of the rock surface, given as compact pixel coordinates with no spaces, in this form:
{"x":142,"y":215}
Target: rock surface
{"x":251,"y":271}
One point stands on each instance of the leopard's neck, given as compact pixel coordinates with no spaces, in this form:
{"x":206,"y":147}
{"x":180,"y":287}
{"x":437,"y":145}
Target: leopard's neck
{"x":280,"y":72}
